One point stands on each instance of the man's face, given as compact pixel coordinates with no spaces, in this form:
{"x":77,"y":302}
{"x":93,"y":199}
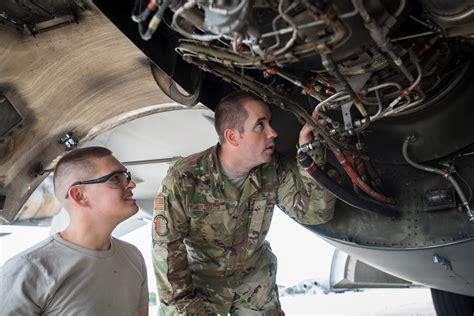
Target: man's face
{"x":114,"y":198}
{"x":257,"y":142}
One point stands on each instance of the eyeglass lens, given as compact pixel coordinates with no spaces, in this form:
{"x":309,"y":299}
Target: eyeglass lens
{"x":119,"y":180}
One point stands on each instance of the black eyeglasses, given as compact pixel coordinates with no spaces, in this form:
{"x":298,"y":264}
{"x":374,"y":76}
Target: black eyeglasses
{"x":115,"y":180}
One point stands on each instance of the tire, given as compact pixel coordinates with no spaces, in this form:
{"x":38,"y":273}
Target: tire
{"x":452,"y":304}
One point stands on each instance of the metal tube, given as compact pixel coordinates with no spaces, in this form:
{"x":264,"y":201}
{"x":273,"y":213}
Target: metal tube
{"x":400,"y":8}
{"x":326,"y":101}
{"x":308,"y":25}
{"x":293,"y":26}
{"x":440,"y":172}
{"x":389,"y":110}
{"x":412,"y":36}
{"x":380,"y":38}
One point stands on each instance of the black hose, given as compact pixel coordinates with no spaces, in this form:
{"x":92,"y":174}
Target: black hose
{"x":341,"y":193}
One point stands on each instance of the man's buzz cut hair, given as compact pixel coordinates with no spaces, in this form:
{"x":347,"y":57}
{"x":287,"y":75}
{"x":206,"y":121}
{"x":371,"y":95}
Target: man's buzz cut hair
{"x":76,"y":165}
{"x":231,"y":113}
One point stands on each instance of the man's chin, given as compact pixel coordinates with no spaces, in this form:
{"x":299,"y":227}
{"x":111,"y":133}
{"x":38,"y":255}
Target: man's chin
{"x":268,"y":157}
{"x":133,"y":207}
{"x":131,"y":211}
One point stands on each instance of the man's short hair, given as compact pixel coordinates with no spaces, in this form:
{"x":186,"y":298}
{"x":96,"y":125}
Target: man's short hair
{"x":231,"y":113}
{"x":76,"y":165}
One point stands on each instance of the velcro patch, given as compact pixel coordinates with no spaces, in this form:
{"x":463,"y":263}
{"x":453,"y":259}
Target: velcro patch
{"x":159,"y":203}
{"x":161,"y":225}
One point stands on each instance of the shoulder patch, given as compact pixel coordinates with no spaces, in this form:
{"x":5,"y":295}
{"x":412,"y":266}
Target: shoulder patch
{"x":159,"y":203}
{"x":161,"y":225}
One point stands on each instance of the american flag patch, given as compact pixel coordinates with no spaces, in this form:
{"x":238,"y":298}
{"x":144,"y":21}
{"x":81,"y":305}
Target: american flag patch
{"x":159,"y":203}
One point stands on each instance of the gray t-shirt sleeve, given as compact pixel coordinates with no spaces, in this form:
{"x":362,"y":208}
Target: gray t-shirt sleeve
{"x":24,"y":287}
{"x":144,"y":289}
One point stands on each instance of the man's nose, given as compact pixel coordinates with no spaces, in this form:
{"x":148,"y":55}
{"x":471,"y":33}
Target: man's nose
{"x":131,"y":185}
{"x":271,"y":133}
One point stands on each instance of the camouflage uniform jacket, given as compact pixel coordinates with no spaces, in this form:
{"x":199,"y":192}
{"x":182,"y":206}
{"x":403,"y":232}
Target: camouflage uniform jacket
{"x":204,"y":227}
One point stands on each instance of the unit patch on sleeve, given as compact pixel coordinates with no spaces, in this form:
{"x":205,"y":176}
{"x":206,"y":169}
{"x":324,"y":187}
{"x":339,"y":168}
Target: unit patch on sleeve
{"x":159,"y":203}
{"x":161,"y":225}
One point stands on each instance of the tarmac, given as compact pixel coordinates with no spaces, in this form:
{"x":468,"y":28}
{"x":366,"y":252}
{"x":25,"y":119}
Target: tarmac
{"x":371,"y":302}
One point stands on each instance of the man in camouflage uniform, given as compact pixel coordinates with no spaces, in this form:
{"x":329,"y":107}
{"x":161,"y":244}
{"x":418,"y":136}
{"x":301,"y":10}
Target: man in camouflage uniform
{"x":214,"y":211}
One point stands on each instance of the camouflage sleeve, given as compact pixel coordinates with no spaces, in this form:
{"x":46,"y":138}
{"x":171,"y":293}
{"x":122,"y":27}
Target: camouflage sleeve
{"x":170,"y":226}
{"x":300,"y":196}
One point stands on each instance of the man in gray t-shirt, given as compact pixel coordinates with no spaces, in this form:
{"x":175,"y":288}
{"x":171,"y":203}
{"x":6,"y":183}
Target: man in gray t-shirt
{"x":82,"y":270}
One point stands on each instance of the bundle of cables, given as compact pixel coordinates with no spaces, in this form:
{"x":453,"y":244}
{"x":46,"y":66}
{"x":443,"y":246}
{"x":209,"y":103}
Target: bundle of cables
{"x":148,"y":14}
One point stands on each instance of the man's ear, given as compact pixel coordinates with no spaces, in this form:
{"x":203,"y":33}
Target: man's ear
{"x":231,"y":136}
{"x":77,"y":196}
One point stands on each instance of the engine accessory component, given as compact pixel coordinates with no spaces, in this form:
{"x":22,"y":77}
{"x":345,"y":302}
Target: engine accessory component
{"x":226,"y":20}
{"x":438,"y":199}
{"x":444,"y":174}
{"x":338,"y":53}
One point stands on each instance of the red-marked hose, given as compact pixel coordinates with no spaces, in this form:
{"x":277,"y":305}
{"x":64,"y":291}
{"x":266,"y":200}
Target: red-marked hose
{"x":340,"y":192}
{"x":360,"y":183}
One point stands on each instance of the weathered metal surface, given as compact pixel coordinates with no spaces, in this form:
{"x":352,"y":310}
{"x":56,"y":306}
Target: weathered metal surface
{"x":65,"y":80}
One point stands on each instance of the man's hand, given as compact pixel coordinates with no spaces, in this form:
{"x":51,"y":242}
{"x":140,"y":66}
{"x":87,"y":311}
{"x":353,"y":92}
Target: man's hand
{"x":307,"y":133}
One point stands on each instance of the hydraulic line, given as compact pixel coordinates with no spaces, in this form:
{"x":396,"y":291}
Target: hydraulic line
{"x":374,"y":177}
{"x":379,"y":35}
{"x":269,"y":95}
{"x":444,"y":174}
{"x":151,"y":7}
{"x":293,"y":26}
{"x":390,"y":108}
{"x":341,"y":193}
{"x":156,"y":20}
{"x":359,"y":182}
{"x":319,"y":107}
{"x":307,"y":25}
{"x":331,"y":67}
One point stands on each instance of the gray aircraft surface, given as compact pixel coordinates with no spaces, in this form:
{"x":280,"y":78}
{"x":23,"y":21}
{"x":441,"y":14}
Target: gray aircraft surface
{"x":391,"y":80}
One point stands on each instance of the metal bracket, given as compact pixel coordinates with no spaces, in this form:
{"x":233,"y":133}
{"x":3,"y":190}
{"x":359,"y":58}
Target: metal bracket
{"x":346,"y":115}
{"x":69,"y":141}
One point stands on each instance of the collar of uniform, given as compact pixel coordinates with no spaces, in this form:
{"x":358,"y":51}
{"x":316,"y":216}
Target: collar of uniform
{"x":213,"y":164}
{"x":254,"y":174}
{"x":254,"y":178}
{"x":251,"y":185}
